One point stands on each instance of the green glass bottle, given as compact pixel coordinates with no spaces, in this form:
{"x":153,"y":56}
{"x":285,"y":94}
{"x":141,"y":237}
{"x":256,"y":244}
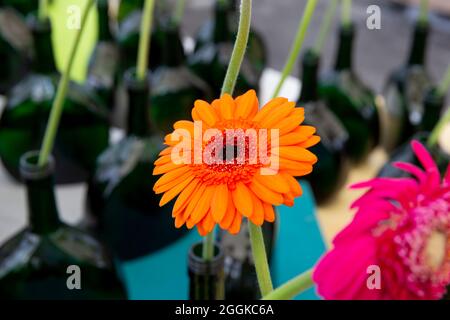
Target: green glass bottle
{"x":128,"y":40}
{"x":37,"y":262}
{"x":351,"y":101}
{"x":120,"y":197}
{"x":404,"y":153}
{"x":331,"y":171}
{"x":206,"y":279}
{"x":83,"y":132}
{"x":256,"y":50}
{"x":241,"y":282}
{"x":210,"y":61}
{"x":16,"y":45}
{"x":25,"y":7}
{"x":105,"y":60}
{"x":127,"y":7}
{"x":175,"y":88}
{"x":433,"y":104}
{"x":405,"y":91}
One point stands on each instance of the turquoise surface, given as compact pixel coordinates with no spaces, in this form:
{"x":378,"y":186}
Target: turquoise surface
{"x":163,"y":275}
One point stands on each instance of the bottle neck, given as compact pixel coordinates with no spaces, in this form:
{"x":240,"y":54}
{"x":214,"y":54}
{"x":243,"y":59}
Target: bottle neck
{"x":44,"y":60}
{"x":42,"y":212}
{"x":222,"y":32}
{"x":345,"y":51}
{"x":433,"y":106}
{"x":310,"y":65}
{"x":419,"y":44}
{"x":138,"y":107}
{"x":173,"y":51}
{"x":104,"y":31}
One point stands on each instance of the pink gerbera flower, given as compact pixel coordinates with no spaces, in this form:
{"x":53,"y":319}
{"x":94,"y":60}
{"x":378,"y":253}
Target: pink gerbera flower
{"x":402,"y":231}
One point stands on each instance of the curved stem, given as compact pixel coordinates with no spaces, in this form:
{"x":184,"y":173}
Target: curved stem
{"x":144,"y":40}
{"x":260,"y":258}
{"x":325,"y":27}
{"x":423,"y":16}
{"x":292,"y":288}
{"x":179,"y":12}
{"x":43,"y":10}
{"x":445,"y":83}
{"x":298,"y":42}
{"x":208,"y":246}
{"x":58,"y":102}
{"x":240,"y":47}
{"x":346,"y":14}
{"x":434,"y":136}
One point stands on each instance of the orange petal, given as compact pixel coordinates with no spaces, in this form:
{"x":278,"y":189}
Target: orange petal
{"x":292,"y":121}
{"x":171,"y":184}
{"x":245,"y":105}
{"x":269,"y":108}
{"x":229,"y":215}
{"x":266,"y":194}
{"x":242,"y":199}
{"x":258,"y":212}
{"x":201,"y":230}
{"x":172,"y":193}
{"x":236,"y":225}
{"x":219,"y":202}
{"x":203,"y":205}
{"x":195,"y":200}
{"x":166,"y":151}
{"x":166,"y":168}
{"x":170,"y":176}
{"x":227,"y":107}
{"x":277,"y":115}
{"x":269,"y":213}
{"x":286,"y":164}
{"x":294,"y":185}
{"x":296,"y":154}
{"x":273,"y":182}
{"x":288,"y":199}
{"x":310,"y":142}
{"x":186,"y":195}
{"x":179,"y":221}
{"x":300,"y":172}
{"x":206,"y":112}
{"x":208,"y":223}
{"x":163,"y":160}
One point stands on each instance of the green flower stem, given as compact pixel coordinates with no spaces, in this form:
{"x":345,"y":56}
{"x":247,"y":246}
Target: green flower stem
{"x":179,"y":12}
{"x":445,"y":83}
{"x":240,"y":47}
{"x":260,"y":258}
{"x":43,"y":10}
{"x":144,"y":40}
{"x":434,"y":136}
{"x":346,"y":13}
{"x":58,"y":103}
{"x":424,"y":8}
{"x":325,"y":27}
{"x":208,"y":246}
{"x":292,"y":288}
{"x":298,"y":42}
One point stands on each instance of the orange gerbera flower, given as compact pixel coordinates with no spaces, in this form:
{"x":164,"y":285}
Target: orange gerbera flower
{"x":221,"y":177}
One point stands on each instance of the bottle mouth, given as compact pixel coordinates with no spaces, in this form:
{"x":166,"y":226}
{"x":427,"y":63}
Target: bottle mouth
{"x":132,"y":82}
{"x":29,"y":168}
{"x":199,"y":266}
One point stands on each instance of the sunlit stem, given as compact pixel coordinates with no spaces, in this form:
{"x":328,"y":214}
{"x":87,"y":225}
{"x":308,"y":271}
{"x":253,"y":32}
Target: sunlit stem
{"x":58,"y":103}
{"x":435,"y":134}
{"x":445,"y":83}
{"x":240,"y":47}
{"x":144,"y":40}
{"x":346,"y":13}
{"x":424,"y":8}
{"x":43,"y":10}
{"x":260,"y":259}
{"x":298,"y":42}
{"x":292,"y":288}
{"x":208,"y":246}
{"x":325,"y":27}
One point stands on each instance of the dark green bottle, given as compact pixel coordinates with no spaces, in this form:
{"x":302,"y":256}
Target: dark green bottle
{"x":121,"y":196}
{"x":36,"y":263}
{"x":331,"y":171}
{"x":16,"y":46}
{"x":210,"y":61}
{"x":128,"y":40}
{"x":206,"y":279}
{"x":105,"y":60}
{"x":83,"y":132}
{"x":405,"y":92}
{"x":404,"y":153}
{"x":433,"y":104}
{"x":127,"y":7}
{"x":241,"y":282}
{"x":175,"y":88}
{"x":25,"y":7}
{"x":351,"y":101}
{"x":256,"y":50}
